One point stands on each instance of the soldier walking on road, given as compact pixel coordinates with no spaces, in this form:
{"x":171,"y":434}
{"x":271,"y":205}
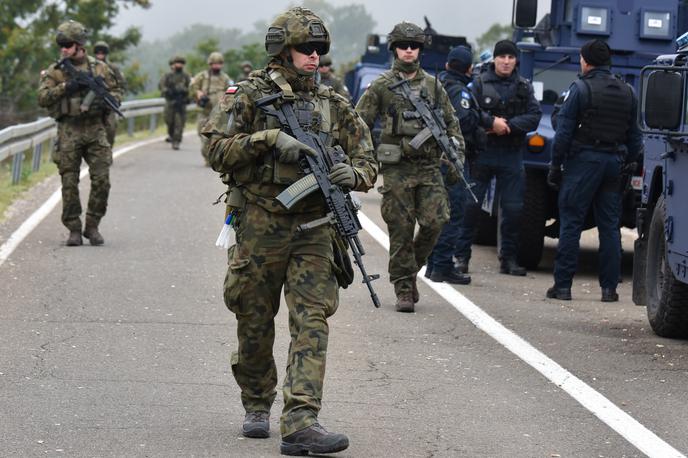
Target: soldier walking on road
{"x":101,"y":50}
{"x":597,"y":139}
{"x":260,"y":160}
{"x":206,"y":89}
{"x":413,"y":191}
{"x":510,"y":111}
{"x":328,"y":78}
{"x":81,"y":117}
{"x":174,"y":87}
{"x":456,"y":77}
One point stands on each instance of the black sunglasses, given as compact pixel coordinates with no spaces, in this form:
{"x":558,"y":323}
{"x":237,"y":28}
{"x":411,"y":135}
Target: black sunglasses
{"x":308,"y":48}
{"x":66,"y":44}
{"x":408,"y":44}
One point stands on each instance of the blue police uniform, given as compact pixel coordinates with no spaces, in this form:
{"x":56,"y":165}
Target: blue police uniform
{"x":511,"y":98}
{"x":456,"y":85}
{"x":596,"y":133}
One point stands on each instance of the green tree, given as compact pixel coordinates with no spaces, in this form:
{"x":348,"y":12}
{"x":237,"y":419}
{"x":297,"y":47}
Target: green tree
{"x":495,"y":33}
{"x":27,"y":44}
{"x":254,"y":53}
{"x":198,"y":60}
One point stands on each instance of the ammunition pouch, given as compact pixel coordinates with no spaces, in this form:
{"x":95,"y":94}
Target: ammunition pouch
{"x":388,"y":154}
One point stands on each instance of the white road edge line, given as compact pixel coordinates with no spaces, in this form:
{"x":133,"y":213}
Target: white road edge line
{"x":44,"y":210}
{"x":629,"y":428}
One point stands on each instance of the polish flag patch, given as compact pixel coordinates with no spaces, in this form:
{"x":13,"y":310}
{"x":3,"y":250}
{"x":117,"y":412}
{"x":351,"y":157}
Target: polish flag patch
{"x":232,"y":89}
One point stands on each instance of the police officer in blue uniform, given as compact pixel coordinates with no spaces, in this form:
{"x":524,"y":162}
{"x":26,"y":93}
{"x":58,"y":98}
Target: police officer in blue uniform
{"x":596,"y":138}
{"x":456,"y":77}
{"x":509,"y":112}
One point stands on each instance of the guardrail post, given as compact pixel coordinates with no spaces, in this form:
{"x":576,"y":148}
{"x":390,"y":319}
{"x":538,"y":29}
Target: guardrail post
{"x":37,"y":153}
{"x":153,"y":122}
{"x":17,"y":167}
{"x":130,"y":126}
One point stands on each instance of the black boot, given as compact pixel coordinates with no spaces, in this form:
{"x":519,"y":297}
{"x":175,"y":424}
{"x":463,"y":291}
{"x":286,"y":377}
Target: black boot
{"x":405,"y":302}
{"x":414,"y":293}
{"x":93,"y":236}
{"x":452,"y":276}
{"x":563,"y":294}
{"x":511,"y":267}
{"x":609,"y":295}
{"x":175,"y":145}
{"x":314,"y":439}
{"x":461,"y":265}
{"x":74,"y":239}
{"x":256,"y":425}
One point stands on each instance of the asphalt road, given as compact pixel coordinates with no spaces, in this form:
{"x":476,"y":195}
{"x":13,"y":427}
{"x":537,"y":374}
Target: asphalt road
{"x":123,"y":350}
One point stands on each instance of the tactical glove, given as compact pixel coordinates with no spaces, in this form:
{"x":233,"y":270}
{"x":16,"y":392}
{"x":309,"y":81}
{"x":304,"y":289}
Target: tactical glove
{"x":554,"y":177}
{"x":343,"y":175}
{"x":290,"y":149}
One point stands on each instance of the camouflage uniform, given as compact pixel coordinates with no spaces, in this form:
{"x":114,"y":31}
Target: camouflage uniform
{"x":81,"y":134}
{"x":413,"y":190}
{"x":246,"y":69}
{"x":213,"y":86}
{"x":111,"y":121}
{"x":174,"y":87}
{"x":270,"y":253}
{"x":331,"y":80}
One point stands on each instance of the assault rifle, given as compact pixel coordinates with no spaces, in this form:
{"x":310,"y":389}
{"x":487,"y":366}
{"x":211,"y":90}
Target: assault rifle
{"x":435,"y":127}
{"x":342,"y":211}
{"x":96,"y":84}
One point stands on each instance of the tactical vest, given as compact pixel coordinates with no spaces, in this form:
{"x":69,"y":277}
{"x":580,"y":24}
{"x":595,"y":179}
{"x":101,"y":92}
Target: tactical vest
{"x":313,"y":115}
{"x":607,"y":114}
{"x":491,"y":101}
{"x":475,"y":140}
{"x":83,"y":104}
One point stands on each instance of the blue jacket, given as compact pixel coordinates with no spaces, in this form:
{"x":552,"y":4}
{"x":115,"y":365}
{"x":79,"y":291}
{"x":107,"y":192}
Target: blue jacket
{"x":467,"y":109}
{"x":567,"y":122}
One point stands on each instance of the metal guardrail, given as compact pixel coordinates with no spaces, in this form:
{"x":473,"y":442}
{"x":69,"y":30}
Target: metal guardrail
{"x":16,"y":140}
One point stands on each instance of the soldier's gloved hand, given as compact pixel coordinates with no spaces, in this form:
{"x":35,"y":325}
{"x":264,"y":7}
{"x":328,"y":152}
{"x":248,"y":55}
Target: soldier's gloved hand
{"x":72,"y":86}
{"x":290,"y":149}
{"x":554,"y":177}
{"x":343,"y":175}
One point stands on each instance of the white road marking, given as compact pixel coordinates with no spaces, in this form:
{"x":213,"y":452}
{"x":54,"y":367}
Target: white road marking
{"x":44,"y":210}
{"x":629,"y":428}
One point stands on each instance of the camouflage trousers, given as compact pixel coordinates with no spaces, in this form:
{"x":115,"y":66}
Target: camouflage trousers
{"x":270,"y":253}
{"x":111,"y":128}
{"x":405,"y":202}
{"x":205,"y":143}
{"x":175,"y":120}
{"x":87,"y":140}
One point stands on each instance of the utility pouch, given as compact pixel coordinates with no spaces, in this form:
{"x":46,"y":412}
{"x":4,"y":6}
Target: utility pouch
{"x":388,"y":154}
{"x":343,"y":270}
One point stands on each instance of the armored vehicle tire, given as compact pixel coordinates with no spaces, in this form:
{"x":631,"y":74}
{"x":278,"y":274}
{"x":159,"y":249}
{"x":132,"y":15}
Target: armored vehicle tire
{"x":533,"y":220}
{"x":667,"y":298}
{"x":486,"y":228}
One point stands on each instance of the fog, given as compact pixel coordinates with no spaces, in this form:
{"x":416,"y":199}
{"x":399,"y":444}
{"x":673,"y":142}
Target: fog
{"x":458,"y":17}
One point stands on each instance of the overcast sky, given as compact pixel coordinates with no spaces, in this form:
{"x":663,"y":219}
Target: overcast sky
{"x":469,"y":18}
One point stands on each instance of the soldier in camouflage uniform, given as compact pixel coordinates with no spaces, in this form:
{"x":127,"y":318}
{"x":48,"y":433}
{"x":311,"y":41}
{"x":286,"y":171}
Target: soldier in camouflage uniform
{"x":413,"y":190}
{"x":260,"y":160}
{"x":174,"y":87}
{"x":101,"y":51}
{"x":81,"y":132}
{"x":328,"y":78}
{"x":206,"y":89}
{"x":246,"y":69}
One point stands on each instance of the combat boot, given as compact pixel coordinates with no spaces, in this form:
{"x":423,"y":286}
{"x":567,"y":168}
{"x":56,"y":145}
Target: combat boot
{"x":175,"y":145}
{"x":315,"y":439}
{"x":414,"y":292}
{"x":563,"y":294}
{"x":256,"y":425}
{"x":74,"y":239}
{"x":509,"y":266}
{"x":93,"y":236}
{"x":461,"y":265}
{"x":452,"y":276}
{"x":405,"y":302}
{"x":609,"y":295}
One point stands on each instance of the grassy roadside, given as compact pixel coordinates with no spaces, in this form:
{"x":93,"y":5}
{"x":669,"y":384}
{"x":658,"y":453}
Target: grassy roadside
{"x":9,"y":193}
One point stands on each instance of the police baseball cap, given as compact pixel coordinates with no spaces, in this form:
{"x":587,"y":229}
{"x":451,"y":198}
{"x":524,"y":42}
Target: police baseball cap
{"x":460,"y":58}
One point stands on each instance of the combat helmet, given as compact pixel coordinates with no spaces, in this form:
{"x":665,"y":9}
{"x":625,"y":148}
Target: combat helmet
{"x":178,"y":58}
{"x":294,"y":27}
{"x":101,"y":46}
{"x":325,"y":61}
{"x":215,"y":58}
{"x":71,"y":32}
{"x":406,"y":31}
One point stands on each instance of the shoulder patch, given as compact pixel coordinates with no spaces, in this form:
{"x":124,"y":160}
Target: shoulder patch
{"x":232,"y":89}
{"x":465,"y":104}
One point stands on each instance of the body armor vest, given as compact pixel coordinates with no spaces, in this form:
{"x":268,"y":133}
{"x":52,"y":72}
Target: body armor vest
{"x":492,"y":102}
{"x":606,"y":115}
